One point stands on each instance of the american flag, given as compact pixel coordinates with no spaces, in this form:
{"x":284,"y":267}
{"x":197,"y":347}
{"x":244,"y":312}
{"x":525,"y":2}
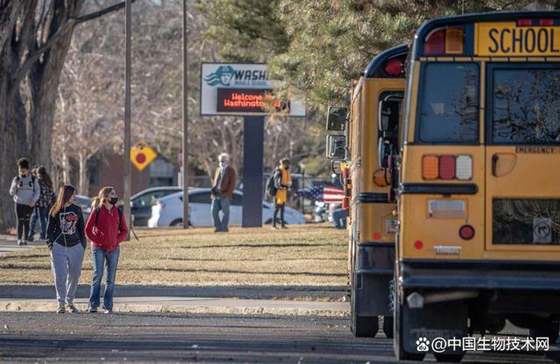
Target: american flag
{"x":322,"y":193}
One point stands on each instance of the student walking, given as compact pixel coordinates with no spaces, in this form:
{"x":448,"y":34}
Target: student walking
{"x":106,"y":228}
{"x":225,"y":180}
{"x":26,"y":192}
{"x":45,"y":202}
{"x":282,"y":182}
{"x":66,"y":240}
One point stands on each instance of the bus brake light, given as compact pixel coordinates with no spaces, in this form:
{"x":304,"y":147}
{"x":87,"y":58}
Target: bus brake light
{"x":447,"y":167}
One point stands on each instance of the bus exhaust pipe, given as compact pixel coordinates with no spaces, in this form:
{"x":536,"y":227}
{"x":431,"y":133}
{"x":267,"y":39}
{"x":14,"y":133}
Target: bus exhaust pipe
{"x":417,"y":300}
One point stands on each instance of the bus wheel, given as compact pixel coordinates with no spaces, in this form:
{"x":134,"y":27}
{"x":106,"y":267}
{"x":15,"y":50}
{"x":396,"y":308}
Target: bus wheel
{"x":388,"y":326}
{"x":449,"y":358}
{"x":551,"y":331}
{"x":364,"y":326}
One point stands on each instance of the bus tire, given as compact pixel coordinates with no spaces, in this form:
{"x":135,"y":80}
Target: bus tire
{"x":551,"y":331}
{"x":363,"y":326}
{"x":388,"y":328}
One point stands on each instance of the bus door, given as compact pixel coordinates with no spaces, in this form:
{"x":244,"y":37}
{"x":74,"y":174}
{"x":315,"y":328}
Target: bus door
{"x":522,"y":156}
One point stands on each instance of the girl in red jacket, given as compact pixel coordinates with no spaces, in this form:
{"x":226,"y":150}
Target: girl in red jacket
{"x":106,"y":228}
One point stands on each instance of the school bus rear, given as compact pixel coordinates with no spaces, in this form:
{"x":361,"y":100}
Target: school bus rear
{"x":479,"y":203}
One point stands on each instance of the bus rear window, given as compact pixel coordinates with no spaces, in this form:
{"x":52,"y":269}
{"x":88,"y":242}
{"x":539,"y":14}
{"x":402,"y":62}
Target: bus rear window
{"x":448,"y":110}
{"x":526,"y":106}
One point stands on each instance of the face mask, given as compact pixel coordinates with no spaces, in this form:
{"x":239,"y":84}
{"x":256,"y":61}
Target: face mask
{"x":113,"y":200}
{"x":223,"y":164}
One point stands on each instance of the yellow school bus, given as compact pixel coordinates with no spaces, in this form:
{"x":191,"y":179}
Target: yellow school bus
{"x":478,"y":192}
{"x":376,"y":100}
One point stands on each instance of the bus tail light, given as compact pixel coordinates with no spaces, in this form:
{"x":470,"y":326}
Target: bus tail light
{"x":464,"y":167}
{"x":447,"y":167}
{"x":466,"y":232}
{"x":394,"y":67}
{"x":430,"y":167}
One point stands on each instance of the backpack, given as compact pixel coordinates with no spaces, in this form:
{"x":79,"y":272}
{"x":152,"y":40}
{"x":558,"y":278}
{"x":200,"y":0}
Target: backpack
{"x":271,"y":186}
{"x":96,"y":212}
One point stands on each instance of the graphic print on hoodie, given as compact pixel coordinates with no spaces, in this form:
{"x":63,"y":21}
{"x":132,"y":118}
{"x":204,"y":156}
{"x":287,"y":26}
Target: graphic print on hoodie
{"x":68,"y":222}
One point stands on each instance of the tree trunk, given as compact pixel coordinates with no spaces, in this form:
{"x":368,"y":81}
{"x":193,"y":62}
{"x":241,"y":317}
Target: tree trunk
{"x":65,"y":169}
{"x":84,"y":180}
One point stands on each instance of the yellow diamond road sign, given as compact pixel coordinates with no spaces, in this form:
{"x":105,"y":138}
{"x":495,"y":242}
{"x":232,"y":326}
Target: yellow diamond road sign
{"x":142,"y":155}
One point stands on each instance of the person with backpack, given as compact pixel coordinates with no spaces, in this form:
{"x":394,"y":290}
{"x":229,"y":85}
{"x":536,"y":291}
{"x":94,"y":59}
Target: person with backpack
{"x":26,"y":192}
{"x":282,"y":182}
{"x":106,"y":228}
{"x":66,"y":240}
{"x":225,"y":180}
{"x":45,"y":202}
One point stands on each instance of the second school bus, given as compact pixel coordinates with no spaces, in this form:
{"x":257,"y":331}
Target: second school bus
{"x":376,"y":100}
{"x":478,"y":238}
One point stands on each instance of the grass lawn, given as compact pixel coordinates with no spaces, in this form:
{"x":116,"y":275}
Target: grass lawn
{"x":312,"y":255}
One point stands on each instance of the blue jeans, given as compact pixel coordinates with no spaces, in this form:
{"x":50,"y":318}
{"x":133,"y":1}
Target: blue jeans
{"x":99,"y":257}
{"x":339,"y":218}
{"x":41,"y":214}
{"x":220,"y":203}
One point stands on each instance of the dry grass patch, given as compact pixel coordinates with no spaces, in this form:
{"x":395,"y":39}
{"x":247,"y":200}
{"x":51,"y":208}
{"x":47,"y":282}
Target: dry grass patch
{"x":312,"y":255}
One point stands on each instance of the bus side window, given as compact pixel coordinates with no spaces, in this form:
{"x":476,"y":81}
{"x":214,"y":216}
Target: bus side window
{"x":390,"y":106}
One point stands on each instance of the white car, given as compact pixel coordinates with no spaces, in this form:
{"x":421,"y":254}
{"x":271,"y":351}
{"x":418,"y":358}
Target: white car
{"x":168,"y":211}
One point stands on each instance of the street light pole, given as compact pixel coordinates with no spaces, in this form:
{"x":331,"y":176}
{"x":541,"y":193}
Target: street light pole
{"x":127,"y":114}
{"x":185,"y":122}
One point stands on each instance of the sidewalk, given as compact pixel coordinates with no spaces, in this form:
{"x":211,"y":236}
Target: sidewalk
{"x":198,"y":305}
{"x":8,"y":244}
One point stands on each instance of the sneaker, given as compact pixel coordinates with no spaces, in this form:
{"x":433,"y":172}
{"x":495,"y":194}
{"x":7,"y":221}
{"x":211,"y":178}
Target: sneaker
{"x":20,"y":242}
{"x":108,"y":310}
{"x":30,"y":239}
{"x":92,"y":310}
{"x":274,"y":227}
{"x":73,"y":308}
{"x":61,"y":308}
{"x":284,"y":227}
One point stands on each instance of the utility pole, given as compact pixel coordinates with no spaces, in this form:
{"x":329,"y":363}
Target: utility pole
{"x":185,"y":122}
{"x":127,"y":115}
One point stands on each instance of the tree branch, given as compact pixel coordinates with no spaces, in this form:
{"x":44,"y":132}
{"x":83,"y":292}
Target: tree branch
{"x":68,"y":26}
{"x":101,"y":12}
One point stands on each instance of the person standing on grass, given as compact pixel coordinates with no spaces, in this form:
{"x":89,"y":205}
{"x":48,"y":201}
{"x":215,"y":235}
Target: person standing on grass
{"x":282,"y":182}
{"x":66,"y":240}
{"x":26,"y":192}
{"x":46,"y":201}
{"x":106,"y":228}
{"x":225,"y":180}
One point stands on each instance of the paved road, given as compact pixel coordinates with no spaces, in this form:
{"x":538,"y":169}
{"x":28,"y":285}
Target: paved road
{"x":149,"y":337}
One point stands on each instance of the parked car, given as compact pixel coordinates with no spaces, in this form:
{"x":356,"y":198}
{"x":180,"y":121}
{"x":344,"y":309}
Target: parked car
{"x":142,"y":202}
{"x":169,"y":210}
{"x":85,"y":203}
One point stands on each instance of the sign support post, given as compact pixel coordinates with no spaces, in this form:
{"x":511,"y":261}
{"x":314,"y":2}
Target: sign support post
{"x":253,"y":156}
{"x":127,"y":116}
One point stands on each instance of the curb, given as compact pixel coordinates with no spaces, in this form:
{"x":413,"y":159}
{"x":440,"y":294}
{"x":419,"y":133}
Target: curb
{"x":254,"y":309}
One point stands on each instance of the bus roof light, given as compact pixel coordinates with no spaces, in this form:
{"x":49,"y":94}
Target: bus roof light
{"x":454,"y":40}
{"x":447,"y":167}
{"x":435,"y":42}
{"x":524,"y":22}
{"x":430,"y":167}
{"x":464,"y":167}
{"x":394,"y":67}
{"x":546,"y":22}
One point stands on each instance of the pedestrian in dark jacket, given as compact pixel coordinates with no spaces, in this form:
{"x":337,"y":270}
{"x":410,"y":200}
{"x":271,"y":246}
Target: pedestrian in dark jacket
{"x":106,"y":228}
{"x":282,"y":182}
{"x":225,"y":180}
{"x":66,"y":240}
{"x":44,"y":204}
{"x":26,"y":192}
